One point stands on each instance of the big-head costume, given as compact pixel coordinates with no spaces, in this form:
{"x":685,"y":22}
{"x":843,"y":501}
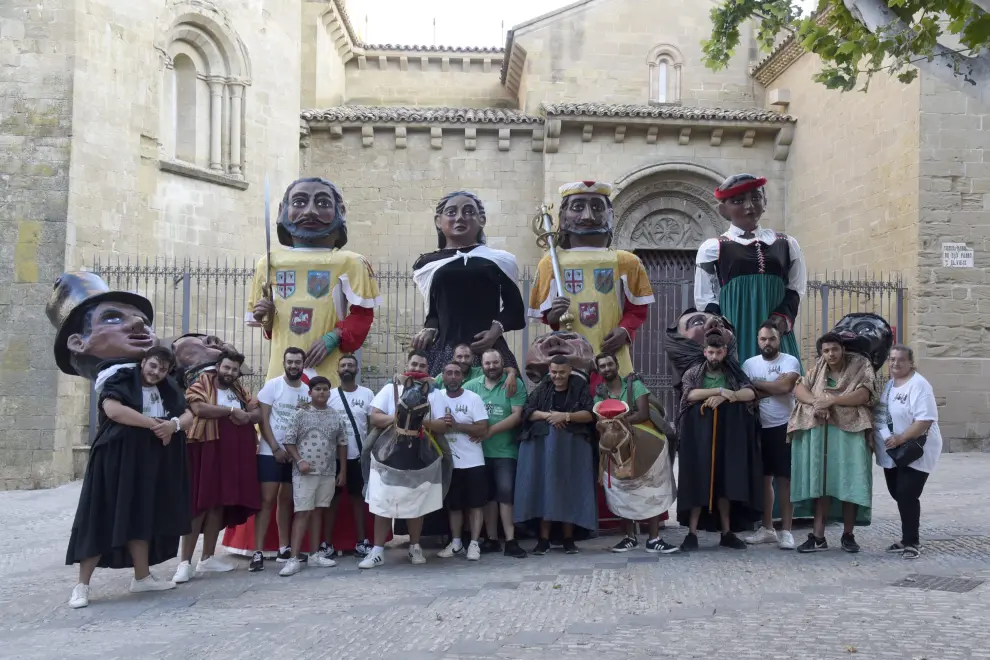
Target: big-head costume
{"x":608,"y":288}
{"x":135,"y":488}
{"x":320,"y":291}
{"x":719,"y":454}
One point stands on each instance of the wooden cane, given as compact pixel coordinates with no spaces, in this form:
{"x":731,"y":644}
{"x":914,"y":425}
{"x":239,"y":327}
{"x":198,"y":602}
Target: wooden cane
{"x":711,"y":484}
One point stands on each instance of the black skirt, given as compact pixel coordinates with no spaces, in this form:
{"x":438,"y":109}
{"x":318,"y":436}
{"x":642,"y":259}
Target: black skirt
{"x":135,"y":489}
{"x":737,"y":474}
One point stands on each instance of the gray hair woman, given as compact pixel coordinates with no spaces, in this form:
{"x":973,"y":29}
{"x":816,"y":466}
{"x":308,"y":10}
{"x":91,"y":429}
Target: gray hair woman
{"x":907,"y":411}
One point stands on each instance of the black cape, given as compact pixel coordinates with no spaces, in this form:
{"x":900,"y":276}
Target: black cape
{"x":135,"y":489}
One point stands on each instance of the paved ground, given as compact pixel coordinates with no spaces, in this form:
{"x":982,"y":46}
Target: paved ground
{"x":761,"y":603}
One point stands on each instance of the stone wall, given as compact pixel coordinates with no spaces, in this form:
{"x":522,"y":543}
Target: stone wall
{"x":852,"y":174}
{"x":322,"y":69}
{"x":599,"y":51}
{"x":36,"y":63}
{"x":952,"y":305}
{"x":426,"y":79}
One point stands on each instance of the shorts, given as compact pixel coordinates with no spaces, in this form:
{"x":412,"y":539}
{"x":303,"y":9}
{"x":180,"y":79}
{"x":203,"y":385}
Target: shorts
{"x":270,"y":470}
{"x":776,"y":452}
{"x":312,"y":491}
{"x":355,"y":478}
{"x":501,"y":479}
{"x":468,"y":489}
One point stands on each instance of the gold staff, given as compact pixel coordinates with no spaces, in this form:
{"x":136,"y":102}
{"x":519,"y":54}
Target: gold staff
{"x":546,"y":238}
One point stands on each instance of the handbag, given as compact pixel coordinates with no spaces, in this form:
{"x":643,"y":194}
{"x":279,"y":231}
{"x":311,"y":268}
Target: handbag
{"x":907,"y":453}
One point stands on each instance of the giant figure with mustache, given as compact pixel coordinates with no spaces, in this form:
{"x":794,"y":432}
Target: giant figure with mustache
{"x":314,"y":295}
{"x":606,"y":290}
{"x":750,"y":274}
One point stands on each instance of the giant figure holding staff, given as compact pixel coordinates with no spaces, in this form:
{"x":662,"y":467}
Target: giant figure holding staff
{"x":607,"y":290}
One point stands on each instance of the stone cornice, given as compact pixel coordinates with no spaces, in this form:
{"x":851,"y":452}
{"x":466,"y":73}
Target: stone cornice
{"x":341,"y":32}
{"x":359,"y":115}
{"x":783,"y":55}
{"x":660,"y":114}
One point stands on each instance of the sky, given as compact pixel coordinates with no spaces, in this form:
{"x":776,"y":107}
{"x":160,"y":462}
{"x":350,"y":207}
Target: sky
{"x":458,"y":22}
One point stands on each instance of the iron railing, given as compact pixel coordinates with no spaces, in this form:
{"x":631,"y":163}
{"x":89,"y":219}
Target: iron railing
{"x":211,"y":297}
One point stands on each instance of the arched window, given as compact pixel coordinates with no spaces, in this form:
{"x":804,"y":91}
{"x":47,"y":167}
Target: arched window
{"x":664,"y":63}
{"x":206,"y":72}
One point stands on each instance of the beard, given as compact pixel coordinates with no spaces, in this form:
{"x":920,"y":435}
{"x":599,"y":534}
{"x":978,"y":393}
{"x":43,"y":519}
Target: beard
{"x":347,"y":376}
{"x":769,"y":353}
{"x":225,"y":381}
{"x":714,"y":365}
{"x":293,"y":374}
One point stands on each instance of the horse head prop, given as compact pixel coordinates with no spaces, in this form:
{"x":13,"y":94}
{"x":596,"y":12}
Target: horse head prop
{"x":412,"y":407}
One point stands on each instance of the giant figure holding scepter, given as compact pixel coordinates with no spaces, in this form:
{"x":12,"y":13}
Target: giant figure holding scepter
{"x":607,"y":291}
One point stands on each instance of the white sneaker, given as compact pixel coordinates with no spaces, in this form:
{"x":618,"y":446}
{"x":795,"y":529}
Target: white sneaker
{"x":79,"y":597}
{"x":150,"y":583}
{"x":183,"y":573}
{"x":213,"y":565}
{"x":291,"y":567}
{"x":762,"y":535}
{"x":474,"y":551}
{"x":416,"y":555}
{"x":373,"y":560}
{"x":786,"y":540}
{"x":322,"y":561}
{"x":451,"y":550}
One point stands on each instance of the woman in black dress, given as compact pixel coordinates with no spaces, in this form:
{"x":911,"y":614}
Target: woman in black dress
{"x":470,"y":289}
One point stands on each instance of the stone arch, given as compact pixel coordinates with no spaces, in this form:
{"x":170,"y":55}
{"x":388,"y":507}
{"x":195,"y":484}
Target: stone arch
{"x":664,"y":63}
{"x":214,"y":118}
{"x":668,"y":206}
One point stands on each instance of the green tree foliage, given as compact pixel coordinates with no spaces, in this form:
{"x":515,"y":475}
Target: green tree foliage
{"x":857,"y":39}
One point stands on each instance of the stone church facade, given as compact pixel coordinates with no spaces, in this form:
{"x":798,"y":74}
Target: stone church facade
{"x":146,"y":129}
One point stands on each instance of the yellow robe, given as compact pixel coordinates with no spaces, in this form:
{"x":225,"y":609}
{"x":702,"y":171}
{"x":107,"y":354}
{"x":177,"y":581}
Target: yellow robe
{"x":312,"y":289}
{"x":599,"y":282}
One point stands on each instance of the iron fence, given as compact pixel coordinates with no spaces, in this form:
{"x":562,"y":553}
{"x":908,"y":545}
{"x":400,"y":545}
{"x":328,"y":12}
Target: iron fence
{"x":211,"y":297}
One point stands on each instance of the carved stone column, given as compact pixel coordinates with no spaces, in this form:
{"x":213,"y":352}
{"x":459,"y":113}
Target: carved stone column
{"x":236,"y":94}
{"x":216,"y":119}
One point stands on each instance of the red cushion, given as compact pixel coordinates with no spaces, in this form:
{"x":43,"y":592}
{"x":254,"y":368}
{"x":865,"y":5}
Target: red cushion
{"x":610,"y":408}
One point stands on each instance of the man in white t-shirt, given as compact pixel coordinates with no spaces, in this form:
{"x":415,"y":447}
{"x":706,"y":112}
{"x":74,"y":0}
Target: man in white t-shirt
{"x":354,"y":403}
{"x":279,"y":399}
{"x":466,"y":418}
{"x":382,"y":416}
{"x":774,"y":375}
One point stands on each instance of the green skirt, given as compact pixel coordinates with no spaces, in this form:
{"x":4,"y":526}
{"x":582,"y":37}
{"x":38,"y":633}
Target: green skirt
{"x":847,"y":476}
{"x":749,"y":300}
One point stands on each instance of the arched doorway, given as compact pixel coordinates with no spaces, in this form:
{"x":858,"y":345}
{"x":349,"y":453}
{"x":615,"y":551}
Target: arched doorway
{"x":663,"y":215}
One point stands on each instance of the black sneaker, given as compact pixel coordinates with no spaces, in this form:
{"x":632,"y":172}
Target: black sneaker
{"x":813,"y":544}
{"x":512,"y":549}
{"x":327,"y":550}
{"x":911,"y":552}
{"x":690,"y":543}
{"x":661,"y":546}
{"x":849,"y":543}
{"x":730,"y":540}
{"x":569,"y":547}
{"x":542,"y":547}
{"x":489,"y":546}
{"x":625,"y":545}
{"x":284,"y":555}
{"x":895,"y":547}
{"x":303,"y":557}
{"x":257,"y":563}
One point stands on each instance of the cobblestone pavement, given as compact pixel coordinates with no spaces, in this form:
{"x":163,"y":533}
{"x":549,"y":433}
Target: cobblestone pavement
{"x":760,"y":603}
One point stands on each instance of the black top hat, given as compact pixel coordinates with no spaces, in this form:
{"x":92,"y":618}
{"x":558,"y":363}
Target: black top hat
{"x":72,"y":295}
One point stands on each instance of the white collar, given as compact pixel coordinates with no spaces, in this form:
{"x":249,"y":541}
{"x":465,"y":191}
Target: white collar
{"x":737,"y":232}
{"x":587,"y":248}
{"x":105,"y":374}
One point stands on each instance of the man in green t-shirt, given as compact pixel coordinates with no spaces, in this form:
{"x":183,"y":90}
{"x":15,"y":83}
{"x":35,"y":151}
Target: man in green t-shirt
{"x":465,"y":357}
{"x":501,"y":449}
{"x":615,"y":387}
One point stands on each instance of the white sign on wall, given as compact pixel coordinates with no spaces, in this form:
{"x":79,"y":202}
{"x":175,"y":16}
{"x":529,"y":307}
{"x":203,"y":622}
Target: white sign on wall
{"x":956,"y":255}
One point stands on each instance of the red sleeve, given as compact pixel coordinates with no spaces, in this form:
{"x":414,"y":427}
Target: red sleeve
{"x":633,"y":316}
{"x":354,"y":328}
{"x":553,"y":326}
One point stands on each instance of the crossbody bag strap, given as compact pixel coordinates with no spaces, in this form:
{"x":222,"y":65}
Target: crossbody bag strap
{"x":347,"y":409}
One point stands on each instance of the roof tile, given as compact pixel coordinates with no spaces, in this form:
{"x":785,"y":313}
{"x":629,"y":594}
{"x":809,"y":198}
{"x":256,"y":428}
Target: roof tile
{"x":663,"y":112}
{"x":380,"y":114}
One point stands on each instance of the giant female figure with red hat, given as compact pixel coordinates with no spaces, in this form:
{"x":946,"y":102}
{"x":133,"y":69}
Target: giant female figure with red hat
{"x":750,"y":274}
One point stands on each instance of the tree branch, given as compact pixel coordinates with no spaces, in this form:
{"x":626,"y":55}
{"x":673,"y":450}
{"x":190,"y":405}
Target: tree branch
{"x":970,"y":75}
